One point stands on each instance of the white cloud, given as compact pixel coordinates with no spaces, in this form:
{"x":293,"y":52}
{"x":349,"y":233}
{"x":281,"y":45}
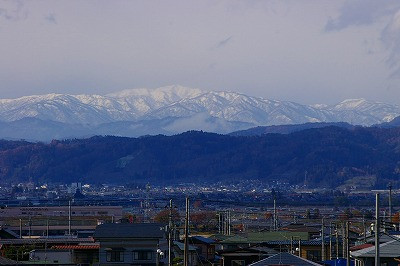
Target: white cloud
{"x":13,"y":10}
{"x":367,"y":12}
{"x":391,"y":39}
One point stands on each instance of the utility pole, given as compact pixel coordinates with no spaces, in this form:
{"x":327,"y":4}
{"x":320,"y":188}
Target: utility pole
{"x":275,"y":218}
{"x":377,"y":231}
{"x":186,"y":250}
{"x":322,"y":240}
{"x":226,"y":219}
{"x":47,"y":228}
{"x":390,"y":202}
{"x":223,"y":222}
{"x":20,"y":228}
{"x":300,"y":247}
{"x":69,"y":217}
{"x":347,"y":245}
{"x":219,"y":223}
{"x":226,"y":223}
{"x":229,"y":223}
{"x":170,"y":243}
{"x":365,"y":230}
{"x":337,"y":241}
{"x":330,"y":240}
{"x":291,"y":245}
{"x":343,"y":240}
{"x":30,"y":226}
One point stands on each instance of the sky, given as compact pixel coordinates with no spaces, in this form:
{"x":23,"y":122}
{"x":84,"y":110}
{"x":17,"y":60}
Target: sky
{"x":306,"y":51}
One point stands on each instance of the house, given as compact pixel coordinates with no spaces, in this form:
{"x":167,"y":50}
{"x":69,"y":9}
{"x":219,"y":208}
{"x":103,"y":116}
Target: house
{"x":234,"y":242}
{"x":252,"y":238}
{"x":179,"y":249}
{"x":284,"y":258}
{"x":66,"y":254}
{"x":131,"y":244}
{"x":82,"y":253}
{"x":244,"y":256}
{"x":8,"y":246}
{"x":312,"y":231}
{"x":383,"y":237}
{"x":206,"y":247}
{"x":308,"y":249}
{"x":389,"y":254}
{"x":51,"y":256}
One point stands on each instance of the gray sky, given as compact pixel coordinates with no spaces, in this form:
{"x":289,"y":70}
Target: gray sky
{"x":308,"y":51}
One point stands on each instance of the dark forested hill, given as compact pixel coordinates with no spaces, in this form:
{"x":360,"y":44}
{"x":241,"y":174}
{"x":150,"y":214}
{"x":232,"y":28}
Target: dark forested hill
{"x":329,"y":155}
{"x":286,"y":129}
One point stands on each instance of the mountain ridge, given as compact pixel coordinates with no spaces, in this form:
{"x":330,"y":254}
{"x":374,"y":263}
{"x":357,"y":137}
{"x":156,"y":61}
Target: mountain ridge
{"x":175,"y":109}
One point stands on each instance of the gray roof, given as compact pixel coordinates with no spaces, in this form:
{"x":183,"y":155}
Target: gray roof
{"x":248,"y":250}
{"x":11,"y":234}
{"x":5,"y":261}
{"x":128,"y":230}
{"x":181,"y":246}
{"x":31,"y":241}
{"x":284,"y":258}
{"x":389,"y":249}
{"x":383,"y":238}
{"x":314,"y":242}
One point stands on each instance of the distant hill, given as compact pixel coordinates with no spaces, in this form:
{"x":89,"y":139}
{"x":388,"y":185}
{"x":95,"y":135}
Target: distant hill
{"x":286,"y":129}
{"x":35,"y":129}
{"x":330,"y":156}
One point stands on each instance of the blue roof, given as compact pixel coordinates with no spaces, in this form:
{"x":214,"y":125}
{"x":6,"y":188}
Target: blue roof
{"x":203,"y":239}
{"x":338,"y":262}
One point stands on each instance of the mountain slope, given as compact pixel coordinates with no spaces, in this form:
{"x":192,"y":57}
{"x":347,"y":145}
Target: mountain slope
{"x":128,"y":105}
{"x":35,"y":129}
{"x":330,"y":155}
{"x":233,"y":106}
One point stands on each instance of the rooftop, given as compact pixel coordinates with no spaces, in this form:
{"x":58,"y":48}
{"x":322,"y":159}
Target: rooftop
{"x":389,"y":249}
{"x":202,"y":239}
{"x":129,"y":230}
{"x":284,"y":258}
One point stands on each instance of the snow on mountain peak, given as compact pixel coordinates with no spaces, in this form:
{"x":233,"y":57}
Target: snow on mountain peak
{"x":168,"y":92}
{"x":179,"y":102}
{"x":351,"y":103}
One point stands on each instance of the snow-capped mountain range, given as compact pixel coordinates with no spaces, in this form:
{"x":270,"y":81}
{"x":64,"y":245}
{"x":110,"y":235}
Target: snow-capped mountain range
{"x":173,"y":109}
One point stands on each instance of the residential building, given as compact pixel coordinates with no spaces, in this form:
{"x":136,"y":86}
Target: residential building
{"x":244,"y":256}
{"x":193,"y":254}
{"x":131,"y":244}
{"x":389,"y":254}
{"x":206,"y":247}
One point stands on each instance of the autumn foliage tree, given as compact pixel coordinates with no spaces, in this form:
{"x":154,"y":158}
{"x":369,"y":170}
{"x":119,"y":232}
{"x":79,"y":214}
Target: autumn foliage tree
{"x":396,"y":218}
{"x":268,"y":215}
{"x":163,"y":216}
{"x":203,"y":221}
